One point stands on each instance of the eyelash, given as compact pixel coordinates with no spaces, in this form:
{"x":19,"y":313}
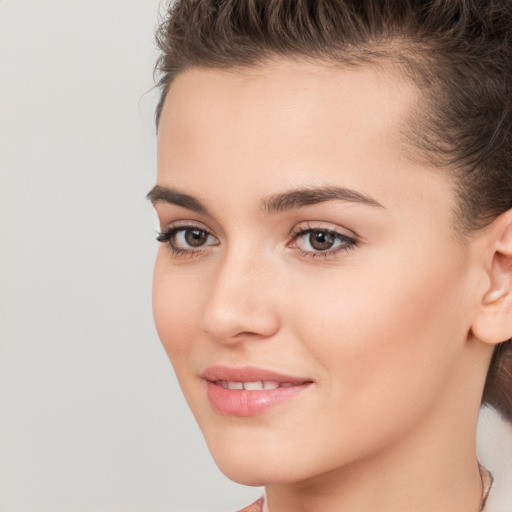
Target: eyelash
{"x":168,"y":236}
{"x":347,"y":243}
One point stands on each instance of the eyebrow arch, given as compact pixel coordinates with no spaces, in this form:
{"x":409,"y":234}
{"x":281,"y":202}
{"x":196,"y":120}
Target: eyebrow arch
{"x":309,"y":196}
{"x":274,"y":204}
{"x":159,"y":194}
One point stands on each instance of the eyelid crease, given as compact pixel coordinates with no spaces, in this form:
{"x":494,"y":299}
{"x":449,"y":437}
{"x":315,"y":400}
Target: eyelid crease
{"x":307,"y":226}
{"x":174,"y":228}
{"x":186,"y":223}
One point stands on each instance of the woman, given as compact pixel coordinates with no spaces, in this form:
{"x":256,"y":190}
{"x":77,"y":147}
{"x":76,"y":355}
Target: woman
{"x":334,"y":284}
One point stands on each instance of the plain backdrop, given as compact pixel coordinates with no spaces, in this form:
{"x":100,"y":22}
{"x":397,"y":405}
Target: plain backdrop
{"x":92,"y":418}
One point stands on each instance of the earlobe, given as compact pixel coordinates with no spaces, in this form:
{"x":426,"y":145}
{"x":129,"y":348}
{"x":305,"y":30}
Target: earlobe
{"x":493,"y":321}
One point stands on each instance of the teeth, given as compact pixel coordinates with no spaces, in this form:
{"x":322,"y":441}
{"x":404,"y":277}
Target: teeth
{"x":254,"y":386}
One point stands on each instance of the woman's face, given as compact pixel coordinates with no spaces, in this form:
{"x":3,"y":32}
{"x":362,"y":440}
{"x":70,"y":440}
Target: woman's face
{"x":305,"y":254}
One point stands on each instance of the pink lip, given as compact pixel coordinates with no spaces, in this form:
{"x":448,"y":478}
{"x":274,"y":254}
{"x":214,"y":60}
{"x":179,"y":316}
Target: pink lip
{"x":242,"y":402}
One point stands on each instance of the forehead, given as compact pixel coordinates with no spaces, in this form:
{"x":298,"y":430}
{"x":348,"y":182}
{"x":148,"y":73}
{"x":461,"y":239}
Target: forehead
{"x":298,"y":96}
{"x":287,"y":123}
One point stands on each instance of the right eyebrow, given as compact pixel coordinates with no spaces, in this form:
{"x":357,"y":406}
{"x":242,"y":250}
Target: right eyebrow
{"x":160,"y":194}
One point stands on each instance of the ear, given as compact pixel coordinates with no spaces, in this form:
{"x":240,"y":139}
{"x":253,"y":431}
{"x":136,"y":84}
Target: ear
{"x":493,"y":321}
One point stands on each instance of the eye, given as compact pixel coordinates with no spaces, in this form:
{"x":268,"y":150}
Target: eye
{"x":321,"y":241}
{"x":187,"y":239}
{"x":191,"y":237}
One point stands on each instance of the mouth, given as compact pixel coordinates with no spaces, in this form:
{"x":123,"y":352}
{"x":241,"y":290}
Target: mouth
{"x":250,"y":391}
{"x":254,"y":385}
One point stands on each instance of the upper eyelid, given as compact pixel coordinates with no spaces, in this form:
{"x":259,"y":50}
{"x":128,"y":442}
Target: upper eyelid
{"x":302,"y":231}
{"x":168,"y":234}
{"x":177,"y":228}
{"x":184,"y":224}
{"x":337,"y":235}
{"x":299,"y":228}
{"x":183,"y":221}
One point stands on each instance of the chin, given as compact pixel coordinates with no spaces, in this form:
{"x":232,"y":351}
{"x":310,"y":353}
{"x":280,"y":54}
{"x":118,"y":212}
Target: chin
{"x":254,"y":473}
{"x":246,"y":462}
{"x":260,"y":462}
{"x":244,"y":475}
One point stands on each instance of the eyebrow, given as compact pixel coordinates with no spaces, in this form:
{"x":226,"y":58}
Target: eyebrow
{"x":309,"y":196}
{"x":277,"y":203}
{"x":159,"y":194}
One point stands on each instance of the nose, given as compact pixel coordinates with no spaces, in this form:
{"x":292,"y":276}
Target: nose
{"x":241,"y":305}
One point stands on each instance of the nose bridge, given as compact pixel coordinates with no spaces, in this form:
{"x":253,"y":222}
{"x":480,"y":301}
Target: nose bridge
{"x":240,"y":304}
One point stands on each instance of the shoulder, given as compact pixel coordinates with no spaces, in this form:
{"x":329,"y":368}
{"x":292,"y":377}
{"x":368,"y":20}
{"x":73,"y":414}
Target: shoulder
{"x":257,"y":506}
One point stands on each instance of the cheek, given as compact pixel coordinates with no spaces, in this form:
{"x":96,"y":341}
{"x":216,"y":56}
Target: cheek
{"x":385,"y":337}
{"x":176,"y":308}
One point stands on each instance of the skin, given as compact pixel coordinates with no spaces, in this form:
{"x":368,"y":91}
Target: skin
{"x":384,"y":328}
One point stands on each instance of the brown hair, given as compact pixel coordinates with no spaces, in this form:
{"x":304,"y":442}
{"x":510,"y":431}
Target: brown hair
{"x":458,"y":52}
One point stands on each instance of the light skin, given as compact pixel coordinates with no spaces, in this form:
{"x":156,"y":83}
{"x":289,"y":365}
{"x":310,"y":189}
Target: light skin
{"x":394,"y":323}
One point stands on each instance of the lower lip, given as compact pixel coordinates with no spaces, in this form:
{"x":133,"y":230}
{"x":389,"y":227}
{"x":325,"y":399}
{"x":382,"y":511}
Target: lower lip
{"x":241,"y":402}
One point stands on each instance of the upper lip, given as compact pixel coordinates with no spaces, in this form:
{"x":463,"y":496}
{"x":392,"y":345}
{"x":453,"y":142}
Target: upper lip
{"x":248,"y":374}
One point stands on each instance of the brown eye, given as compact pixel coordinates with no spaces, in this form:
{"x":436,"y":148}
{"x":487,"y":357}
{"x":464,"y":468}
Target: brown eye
{"x":321,"y":240}
{"x":187,"y":239}
{"x":195,"y":237}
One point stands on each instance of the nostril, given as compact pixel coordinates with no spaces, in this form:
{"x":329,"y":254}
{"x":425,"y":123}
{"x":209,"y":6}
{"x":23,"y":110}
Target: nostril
{"x":235,"y":337}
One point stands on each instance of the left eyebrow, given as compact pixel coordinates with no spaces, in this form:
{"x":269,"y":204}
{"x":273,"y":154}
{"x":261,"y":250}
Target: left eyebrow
{"x":309,"y":196}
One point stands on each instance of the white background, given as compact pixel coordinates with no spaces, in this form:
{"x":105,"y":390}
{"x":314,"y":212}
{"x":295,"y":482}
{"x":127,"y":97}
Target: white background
{"x":91,"y":416}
